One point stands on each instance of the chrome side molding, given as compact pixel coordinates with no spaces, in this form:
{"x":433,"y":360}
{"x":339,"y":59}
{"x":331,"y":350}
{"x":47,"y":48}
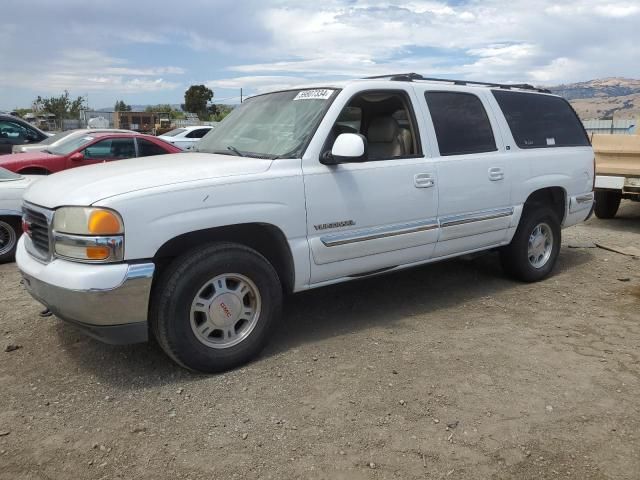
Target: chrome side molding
{"x":378,"y":232}
{"x":454,"y":220}
{"x":413,"y":227}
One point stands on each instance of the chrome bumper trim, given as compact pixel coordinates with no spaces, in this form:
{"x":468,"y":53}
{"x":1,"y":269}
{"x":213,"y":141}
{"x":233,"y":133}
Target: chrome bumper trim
{"x":125,"y":304}
{"x":379,"y":232}
{"x":454,"y":220}
{"x":114,"y":243}
{"x":586,"y":198}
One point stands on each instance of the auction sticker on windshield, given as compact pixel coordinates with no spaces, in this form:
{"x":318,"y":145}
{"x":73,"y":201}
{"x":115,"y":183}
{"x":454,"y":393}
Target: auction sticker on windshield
{"x":318,"y":94}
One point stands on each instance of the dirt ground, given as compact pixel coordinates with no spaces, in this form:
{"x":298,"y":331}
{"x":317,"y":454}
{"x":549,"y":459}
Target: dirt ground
{"x":447,"y":371}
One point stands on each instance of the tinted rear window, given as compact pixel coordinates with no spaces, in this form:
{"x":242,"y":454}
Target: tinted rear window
{"x":541,"y":121}
{"x":461,"y":123}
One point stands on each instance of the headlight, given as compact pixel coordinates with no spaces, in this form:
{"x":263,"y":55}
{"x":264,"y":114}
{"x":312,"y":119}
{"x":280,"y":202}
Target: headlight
{"x":88,"y":234}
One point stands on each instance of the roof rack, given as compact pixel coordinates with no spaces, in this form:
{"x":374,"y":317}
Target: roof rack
{"x":410,"y":77}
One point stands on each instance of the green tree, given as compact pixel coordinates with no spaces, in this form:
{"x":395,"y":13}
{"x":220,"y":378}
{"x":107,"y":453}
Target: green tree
{"x":196,"y":99}
{"x":62,"y":106}
{"x":122,"y":107}
{"x":21,"y":112}
{"x":220,"y":111}
{"x":165,"y":108}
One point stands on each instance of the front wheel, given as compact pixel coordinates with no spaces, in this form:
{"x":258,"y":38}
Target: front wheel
{"x":607,"y":203}
{"x":214,"y":308}
{"x":534,"y":249}
{"x":10,"y":232}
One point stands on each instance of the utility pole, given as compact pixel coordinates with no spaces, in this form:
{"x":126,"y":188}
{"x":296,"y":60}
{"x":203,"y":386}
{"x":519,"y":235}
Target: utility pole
{"x":240,"y":94}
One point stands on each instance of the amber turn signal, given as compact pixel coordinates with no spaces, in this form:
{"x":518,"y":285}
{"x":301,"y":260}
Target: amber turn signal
{"x":103,"y":222}
{"x":97,"y":253}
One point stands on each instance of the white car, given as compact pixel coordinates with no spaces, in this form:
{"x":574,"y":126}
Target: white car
{"x":298,"y":189}
{"x":186,"y":137}
{"x":12,"y":187}
{"x":58,"y":138}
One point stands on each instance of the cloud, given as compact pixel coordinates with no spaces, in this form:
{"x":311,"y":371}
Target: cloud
{"x":152,"y":46}
{"x":81,"y":70}
{"x":492,"y":39}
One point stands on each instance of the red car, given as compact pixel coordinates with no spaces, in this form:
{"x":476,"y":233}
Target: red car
{"x":91,"y":148}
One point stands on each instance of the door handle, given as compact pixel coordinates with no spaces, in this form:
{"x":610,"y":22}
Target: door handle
{"x":423,"y":180}
{"x":496,"y":173}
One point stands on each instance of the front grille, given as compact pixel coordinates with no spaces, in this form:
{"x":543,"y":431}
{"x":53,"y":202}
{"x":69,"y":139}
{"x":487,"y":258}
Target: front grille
{"x":38,"y":220}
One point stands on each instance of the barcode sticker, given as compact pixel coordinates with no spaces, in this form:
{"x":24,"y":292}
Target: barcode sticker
{"x":319,"y":94}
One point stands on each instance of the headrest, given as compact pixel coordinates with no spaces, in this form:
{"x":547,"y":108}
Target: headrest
{"x":383,"y":130}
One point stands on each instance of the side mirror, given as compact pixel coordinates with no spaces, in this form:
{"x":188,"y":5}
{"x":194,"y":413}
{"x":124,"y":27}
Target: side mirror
{"x":77,"y":157}
{"x":348,"y":147}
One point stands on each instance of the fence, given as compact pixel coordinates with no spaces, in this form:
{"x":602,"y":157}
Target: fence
{"x":619,"y":127}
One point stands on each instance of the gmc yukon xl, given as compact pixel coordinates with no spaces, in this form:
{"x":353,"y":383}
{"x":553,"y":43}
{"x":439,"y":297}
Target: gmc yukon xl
{"x":298,"y":189}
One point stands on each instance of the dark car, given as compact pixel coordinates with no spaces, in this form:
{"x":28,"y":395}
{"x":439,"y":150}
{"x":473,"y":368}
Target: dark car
{"x":85,"y":150}
{"x":15,"y":131}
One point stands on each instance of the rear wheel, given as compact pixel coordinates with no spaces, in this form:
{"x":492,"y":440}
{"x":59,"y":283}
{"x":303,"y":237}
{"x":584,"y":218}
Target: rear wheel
{"x":214,"y":308}
{"x":10,"y":232}
{"x":607,"y":203}
{"x":534,"y":249}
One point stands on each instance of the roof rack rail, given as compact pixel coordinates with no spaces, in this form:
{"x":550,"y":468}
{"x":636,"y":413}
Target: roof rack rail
{"x":410,"y":77}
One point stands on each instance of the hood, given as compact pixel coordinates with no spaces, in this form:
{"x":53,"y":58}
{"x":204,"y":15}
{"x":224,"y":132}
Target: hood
{"x":36,"y":147}
{"x":11,"y":191}
{"x":89,"y":184}
{"x":20,"y":158}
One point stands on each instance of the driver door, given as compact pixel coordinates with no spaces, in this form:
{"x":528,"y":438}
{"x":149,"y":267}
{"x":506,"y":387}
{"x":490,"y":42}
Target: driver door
{"x":379,"y":213}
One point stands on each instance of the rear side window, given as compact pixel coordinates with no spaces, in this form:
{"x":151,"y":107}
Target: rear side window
{"x":461,"y":123}
{"x":541,"y":121}
{"x":147,"y":148}
{"x":201,"y":132}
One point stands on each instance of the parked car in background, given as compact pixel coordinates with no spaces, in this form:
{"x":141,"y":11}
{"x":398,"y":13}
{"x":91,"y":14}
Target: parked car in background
{"x":186,"y":137}
{"x":58,"y":138}
{"x":85,"y":150}
{"x":15,"y":131}
{"x":299,"y":189}
{"x":12,"y":186}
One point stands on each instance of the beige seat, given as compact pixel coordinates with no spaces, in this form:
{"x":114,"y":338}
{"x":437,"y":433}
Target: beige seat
{"x":386,"y":139}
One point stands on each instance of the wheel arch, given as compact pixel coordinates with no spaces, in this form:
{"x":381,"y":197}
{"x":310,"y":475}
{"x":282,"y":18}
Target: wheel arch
{"x":34,"y":170}
{"x":267,"y":239}
{"x":554,"y":197}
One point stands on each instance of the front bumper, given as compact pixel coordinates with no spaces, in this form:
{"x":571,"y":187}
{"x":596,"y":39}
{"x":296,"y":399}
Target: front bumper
{"x":108,"y":302}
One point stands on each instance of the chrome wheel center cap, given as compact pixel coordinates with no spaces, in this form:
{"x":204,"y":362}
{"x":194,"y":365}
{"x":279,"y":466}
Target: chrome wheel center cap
{"x":225,"y":309}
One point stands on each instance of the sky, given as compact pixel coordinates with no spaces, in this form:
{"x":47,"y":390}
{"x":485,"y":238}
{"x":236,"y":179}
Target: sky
{"x":149,"y":52}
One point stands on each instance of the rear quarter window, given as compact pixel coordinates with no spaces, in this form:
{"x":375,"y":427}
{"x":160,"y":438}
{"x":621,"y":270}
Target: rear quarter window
{"x":541,"y":121}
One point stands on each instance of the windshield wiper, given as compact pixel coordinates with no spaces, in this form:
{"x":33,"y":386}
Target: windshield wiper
{"x":235,"y":150}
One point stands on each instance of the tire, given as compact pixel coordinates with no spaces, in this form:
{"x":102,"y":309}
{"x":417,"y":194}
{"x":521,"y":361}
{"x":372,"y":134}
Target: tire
{"x":530,"y":259}
{"x":607,"y":203}
{"x":10,"y":231}
{"x":197,"y":307}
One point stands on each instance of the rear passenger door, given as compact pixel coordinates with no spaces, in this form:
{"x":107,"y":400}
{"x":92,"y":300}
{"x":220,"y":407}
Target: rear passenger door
{"x":474,"y":178}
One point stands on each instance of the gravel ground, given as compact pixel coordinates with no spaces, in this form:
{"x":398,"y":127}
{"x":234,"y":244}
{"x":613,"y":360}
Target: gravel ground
{"x":447,"y":371}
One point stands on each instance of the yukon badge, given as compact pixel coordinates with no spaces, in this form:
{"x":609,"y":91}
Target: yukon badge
{"x":325,"y":226}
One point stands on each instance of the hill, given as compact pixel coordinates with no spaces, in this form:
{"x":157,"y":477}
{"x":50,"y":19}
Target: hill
{"x":603,"y":97}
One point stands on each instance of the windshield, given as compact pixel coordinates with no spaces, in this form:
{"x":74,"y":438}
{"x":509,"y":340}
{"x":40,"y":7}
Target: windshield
{"x":68,"y":146}
{"x":6,"y":175}
{"x":55,"y":138}
{"x":276,"y":125}
{"x":174,"y":132}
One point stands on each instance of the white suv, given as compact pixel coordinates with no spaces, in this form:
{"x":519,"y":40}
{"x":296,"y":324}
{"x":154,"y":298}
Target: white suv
{"x":298,"y":189}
